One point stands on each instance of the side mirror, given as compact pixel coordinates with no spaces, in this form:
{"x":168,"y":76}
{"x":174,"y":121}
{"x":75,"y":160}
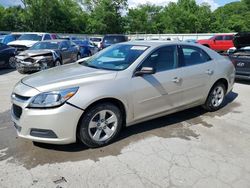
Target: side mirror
{"x":145,"y":70}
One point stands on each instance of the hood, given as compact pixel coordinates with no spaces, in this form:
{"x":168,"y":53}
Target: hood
{"x":27,"y":43}
{"x":66,"y":76}
{"x":241,"y":40}
{"x":33,"y":53}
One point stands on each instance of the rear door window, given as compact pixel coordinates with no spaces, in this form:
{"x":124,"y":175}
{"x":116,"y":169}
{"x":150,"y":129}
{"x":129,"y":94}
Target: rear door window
{"x":191,"y":55}
{"x":47,"y":37}
{"x":228,"y":37}
{"x":219,"y":38}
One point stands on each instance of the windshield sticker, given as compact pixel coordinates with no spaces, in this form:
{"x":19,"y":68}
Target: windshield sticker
{"x":139,"y":47}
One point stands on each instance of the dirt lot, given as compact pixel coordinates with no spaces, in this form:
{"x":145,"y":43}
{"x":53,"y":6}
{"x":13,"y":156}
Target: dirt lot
{"x":192,"y":148}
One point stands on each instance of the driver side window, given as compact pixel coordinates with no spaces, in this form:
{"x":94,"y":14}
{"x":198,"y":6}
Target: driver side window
{"x":165,"y":58}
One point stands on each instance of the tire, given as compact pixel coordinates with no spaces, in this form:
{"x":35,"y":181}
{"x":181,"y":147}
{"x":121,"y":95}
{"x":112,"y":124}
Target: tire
{"x":78,"y":56}
{"x":95,"y":130}
{"x":12,"y":63}
{"x":215,"y":98}
{"x":57,"y":63}
{"x":22,"y":71}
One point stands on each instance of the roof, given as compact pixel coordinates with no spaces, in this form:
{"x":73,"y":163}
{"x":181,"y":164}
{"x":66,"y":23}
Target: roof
{"x":54,"y":40}
{"x":30,"y":33}
{"x":155,"y":43}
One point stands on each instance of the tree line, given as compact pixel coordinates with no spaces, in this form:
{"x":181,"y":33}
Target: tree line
{"x":115,"y":16}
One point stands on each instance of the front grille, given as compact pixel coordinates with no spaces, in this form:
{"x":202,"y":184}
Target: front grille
{"x":17,"y":111}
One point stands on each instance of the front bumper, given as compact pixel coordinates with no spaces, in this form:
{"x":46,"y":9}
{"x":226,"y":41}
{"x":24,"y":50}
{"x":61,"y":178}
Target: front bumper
{"x":61,"y":121}
{"x":32,"y":66}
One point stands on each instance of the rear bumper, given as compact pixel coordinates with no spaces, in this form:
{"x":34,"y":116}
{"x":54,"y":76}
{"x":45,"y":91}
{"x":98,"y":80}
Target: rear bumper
{"x":242,"y":75}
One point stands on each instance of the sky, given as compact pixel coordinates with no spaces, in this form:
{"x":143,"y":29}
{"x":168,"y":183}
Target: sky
{"x":133,"y":3}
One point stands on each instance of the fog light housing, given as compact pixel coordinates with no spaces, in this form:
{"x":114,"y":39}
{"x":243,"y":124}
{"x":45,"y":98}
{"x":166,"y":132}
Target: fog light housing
{"x":42,"y":133}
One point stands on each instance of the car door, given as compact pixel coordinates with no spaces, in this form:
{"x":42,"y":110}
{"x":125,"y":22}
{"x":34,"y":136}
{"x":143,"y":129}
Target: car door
{"x":3,"y":55}
{"x":218,"y":43}
{"x":196,"y":70}
{"x":73,"y":49}
{"x":159,"y":92}
{"x":227,"y":42}
{"x":66,"y":55}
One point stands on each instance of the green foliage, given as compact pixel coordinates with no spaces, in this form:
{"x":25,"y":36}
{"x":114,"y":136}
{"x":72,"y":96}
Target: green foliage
{"x":106,"y":16}
{"x":113,"y":16}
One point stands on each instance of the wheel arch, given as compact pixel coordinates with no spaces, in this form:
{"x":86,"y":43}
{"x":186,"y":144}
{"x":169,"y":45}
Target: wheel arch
{"x":221,"y":80}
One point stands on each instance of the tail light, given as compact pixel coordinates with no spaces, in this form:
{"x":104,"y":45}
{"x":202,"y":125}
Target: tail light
{"x":233,"y":61}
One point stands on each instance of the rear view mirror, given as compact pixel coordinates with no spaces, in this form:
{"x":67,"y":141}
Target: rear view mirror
{"x":145,"y":70}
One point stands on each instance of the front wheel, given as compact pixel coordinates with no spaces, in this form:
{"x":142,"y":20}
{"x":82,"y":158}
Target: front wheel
{"x":12,"y":63}
{"x":57,"y":63}
{"x":100,"y":125}
{"x":215,"y":98}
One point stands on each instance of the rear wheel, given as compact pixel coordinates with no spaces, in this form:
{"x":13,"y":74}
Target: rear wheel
{"x":100,"y":125}
{"x":215,"y":98}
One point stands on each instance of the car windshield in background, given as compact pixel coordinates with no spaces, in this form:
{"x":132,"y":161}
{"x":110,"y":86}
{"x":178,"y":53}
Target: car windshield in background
{"x":81,"y":43}
{"x":118,"y":57}
{"x":1,"y":39}
{"x":45,"y":45}
{"x":96,"y":39}
{"x":114,"y":39}
{"x":34,"y":37}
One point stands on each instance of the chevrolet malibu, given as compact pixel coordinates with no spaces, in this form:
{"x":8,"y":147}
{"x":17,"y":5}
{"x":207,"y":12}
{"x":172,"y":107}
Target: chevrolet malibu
{"x":127,"y":83}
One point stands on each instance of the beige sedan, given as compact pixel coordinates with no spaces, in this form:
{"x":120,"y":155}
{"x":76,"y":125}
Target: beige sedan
{"x":122,"y":85}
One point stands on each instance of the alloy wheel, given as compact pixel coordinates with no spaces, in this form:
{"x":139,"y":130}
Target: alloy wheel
{"x":218,"y":96}
{"x":103,"y":125}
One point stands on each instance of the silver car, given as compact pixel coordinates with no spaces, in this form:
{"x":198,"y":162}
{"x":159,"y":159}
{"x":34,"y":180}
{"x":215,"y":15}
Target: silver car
{"x":91,"y":100}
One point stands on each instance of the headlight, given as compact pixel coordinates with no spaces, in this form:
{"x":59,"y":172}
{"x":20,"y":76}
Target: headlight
{"x":53,"y":98}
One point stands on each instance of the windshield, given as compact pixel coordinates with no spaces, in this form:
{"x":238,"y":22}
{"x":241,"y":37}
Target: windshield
{"x":45,"y":45}
{"x":96,"y":39}
{"x":34,"y":37}
{"x":114,"y":39}
{"x":1,"y":40}
{"x":118,"y":57}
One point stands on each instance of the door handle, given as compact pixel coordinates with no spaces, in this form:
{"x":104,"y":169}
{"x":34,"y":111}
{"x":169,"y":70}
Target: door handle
{"x":209,"y":72}
{"x":176,"y":80}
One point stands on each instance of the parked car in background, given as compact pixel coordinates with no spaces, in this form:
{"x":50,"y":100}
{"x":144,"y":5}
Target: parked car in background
{"x":87,"y":48}
{"x":27,"y":40}
{"x":17,"y":34}
{"x":54,"y":36}
{"x":46,"y":54}
{"x":191,"y":40}
{"x":109,"y":40}
{"x":123,"y":85}
{"x":5,"y":39}
{"x":96,"y":40}
{"x":7,"y":55}
{"x":218,"y":43}
{"x":240,"y":56}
